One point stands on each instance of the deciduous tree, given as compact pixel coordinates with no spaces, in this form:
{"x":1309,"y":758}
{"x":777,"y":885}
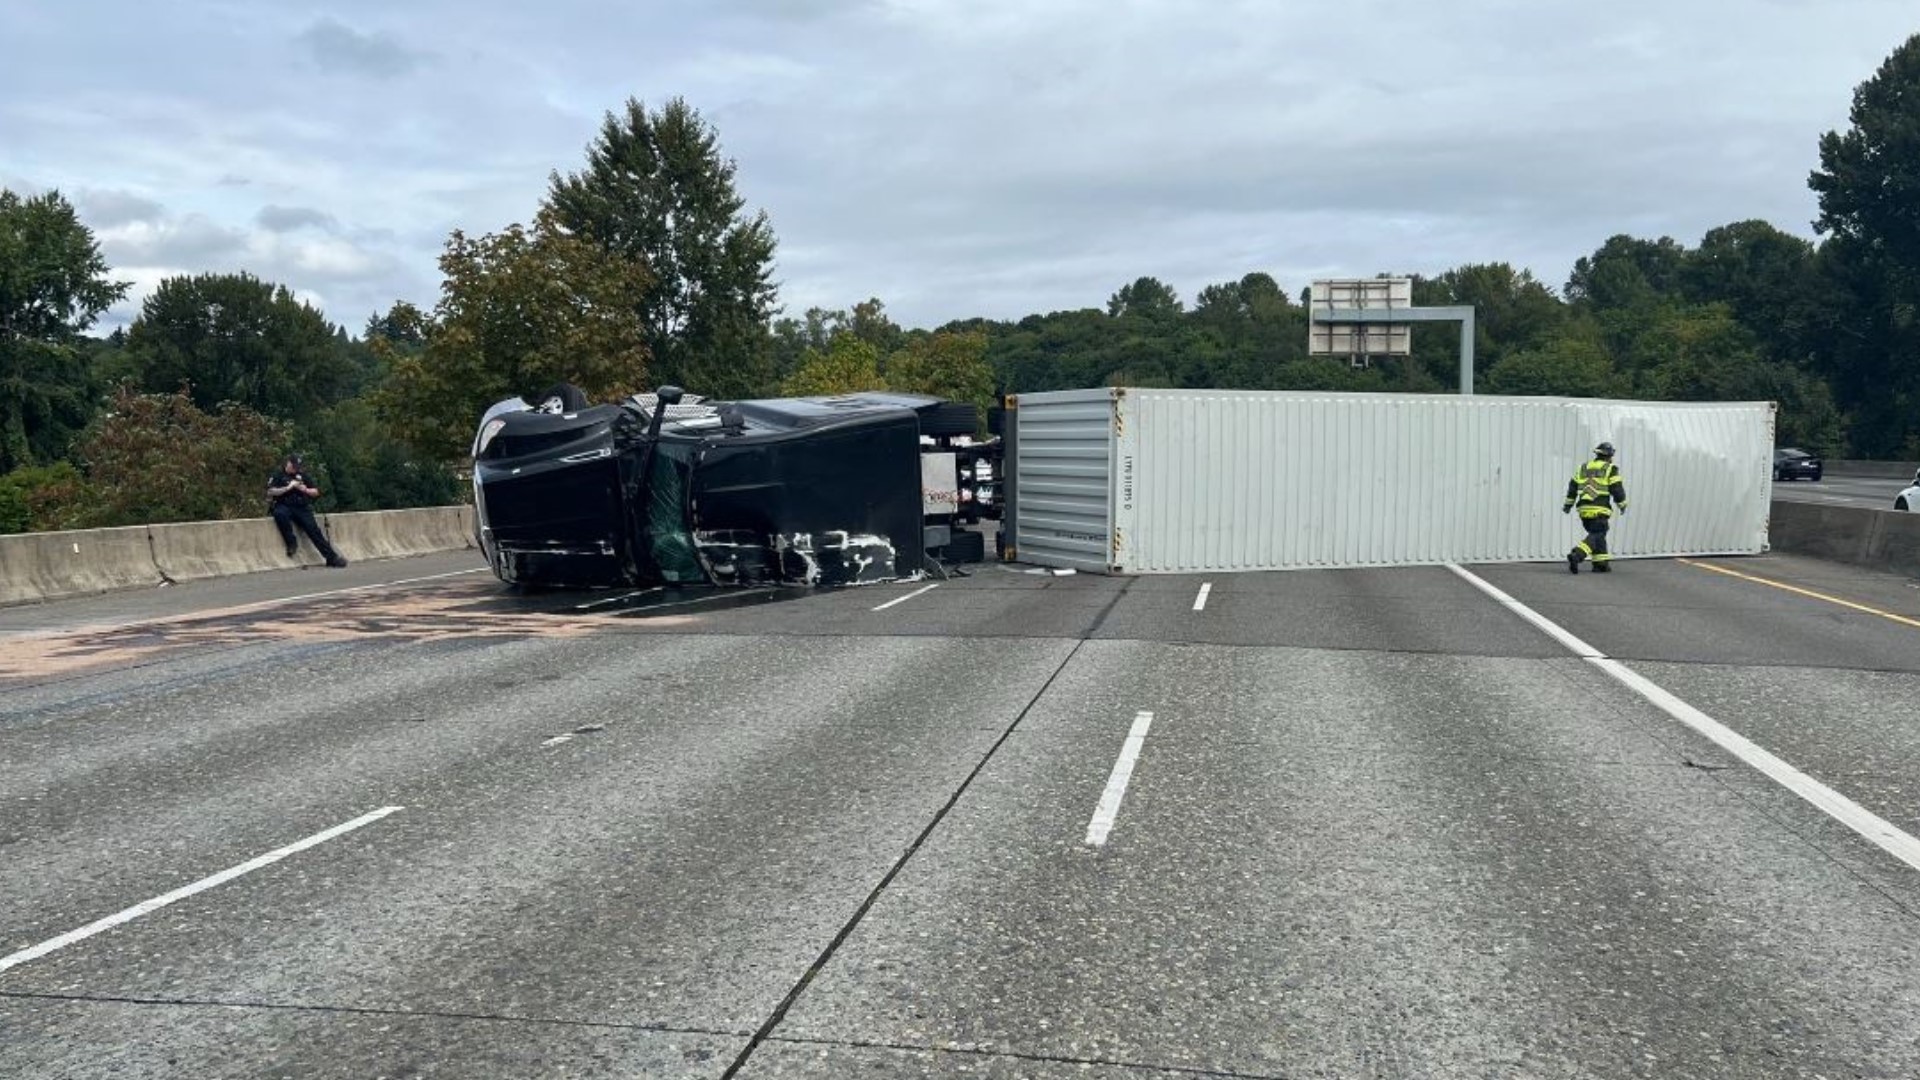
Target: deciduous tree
{"x":159,"y":457}
{"x":53,"y":286}
{"x":234,"y":337}
{"x":657,"y":190}
{"x":1868,"y":185}
{"x":519,"y":310}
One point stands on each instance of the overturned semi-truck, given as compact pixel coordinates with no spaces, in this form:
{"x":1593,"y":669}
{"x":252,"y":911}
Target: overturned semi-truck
{"x":670,"y":489}
{"x":860,"y":488}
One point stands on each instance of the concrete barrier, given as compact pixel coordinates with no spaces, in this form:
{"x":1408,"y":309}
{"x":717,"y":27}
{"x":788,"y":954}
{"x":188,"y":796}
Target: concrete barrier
{"x":48,"y":566}
{"x":1876,"y":539}
{"x":394,"y":534}
{"x":43,"y":566}
{"x":1873,"y":470}
{"x":195,"y":550}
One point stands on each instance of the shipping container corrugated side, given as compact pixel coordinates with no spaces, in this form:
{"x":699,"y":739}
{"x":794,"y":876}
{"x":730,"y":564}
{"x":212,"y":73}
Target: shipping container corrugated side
{"x":1179,"y":481}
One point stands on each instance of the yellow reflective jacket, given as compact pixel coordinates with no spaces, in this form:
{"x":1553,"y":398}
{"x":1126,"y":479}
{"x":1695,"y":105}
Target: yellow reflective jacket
{"x":1596,"y":489}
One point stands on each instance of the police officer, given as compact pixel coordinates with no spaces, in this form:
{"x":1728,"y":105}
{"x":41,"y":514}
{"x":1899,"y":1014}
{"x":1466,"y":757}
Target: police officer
{"x":292,"y":494}
{"x":1596,"y":491}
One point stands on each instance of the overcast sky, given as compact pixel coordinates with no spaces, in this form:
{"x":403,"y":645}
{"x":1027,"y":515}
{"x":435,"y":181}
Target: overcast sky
{"x":985,"y":157}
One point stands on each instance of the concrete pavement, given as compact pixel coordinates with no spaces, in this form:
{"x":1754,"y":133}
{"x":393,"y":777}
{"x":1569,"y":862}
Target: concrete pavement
{"x":1379,"y":825}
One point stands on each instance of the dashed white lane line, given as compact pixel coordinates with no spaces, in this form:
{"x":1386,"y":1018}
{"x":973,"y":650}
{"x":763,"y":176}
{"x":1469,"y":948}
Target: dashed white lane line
{"x":1108,"y":811}
{"x":909,"y":596}
{"x":1883,"y":833}
{"x":1200,"y":602}
{"x":221,"y":878}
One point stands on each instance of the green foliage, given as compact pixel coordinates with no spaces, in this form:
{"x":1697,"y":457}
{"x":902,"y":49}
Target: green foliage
{"x":157,"y":457}
{"x":53,"y":285}
{"x":1512,"y":312}
{"x":519,"y":311}
{"x":31,"y":496}
{"x":1573,"y":363}
{"x":1868,"y":186}
{"x":363,"y":466}
{"x":233,"y":337}
{"x":1147,"y":298}
{"x":1704,"y":354}
{"x":947,"y":364}
{"x":847,"y":365}
{"x":656,"y":190}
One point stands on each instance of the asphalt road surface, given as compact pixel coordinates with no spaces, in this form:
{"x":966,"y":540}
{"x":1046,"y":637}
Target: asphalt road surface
{"x":1394,"y":823}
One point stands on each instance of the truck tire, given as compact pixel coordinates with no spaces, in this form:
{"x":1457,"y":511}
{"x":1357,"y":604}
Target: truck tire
{"x":966,"y":546}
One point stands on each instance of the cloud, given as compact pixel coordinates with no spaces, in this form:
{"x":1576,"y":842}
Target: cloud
{"x":340,"y":48}
{"x":353,"y":270}
{"x":108,"y":209}
{"x":285,"y":219}
{"x":995,"y":158}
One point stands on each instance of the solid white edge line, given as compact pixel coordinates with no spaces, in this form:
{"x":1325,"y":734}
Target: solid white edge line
{"x":1108,"y":811}
{"x":1881,"y":832}
{"x":1539,"y":621}
{"x":909,"y":596}
{"x":1200,"y":602}
{"x":158,"y":902}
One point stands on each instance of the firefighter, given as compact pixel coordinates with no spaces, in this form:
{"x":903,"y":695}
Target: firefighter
{"x":1596,"y":491}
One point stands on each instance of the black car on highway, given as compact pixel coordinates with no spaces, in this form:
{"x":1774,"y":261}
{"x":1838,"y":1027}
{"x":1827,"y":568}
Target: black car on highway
{"x":1790,"y":463}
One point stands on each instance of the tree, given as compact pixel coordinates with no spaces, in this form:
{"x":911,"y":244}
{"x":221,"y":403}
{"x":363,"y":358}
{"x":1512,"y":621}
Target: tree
{"x":1573,"y":363}
{"x":951,"y":365}
{"x":1513,"y":311}
{"x":1769,"y":279}
{"x":1627,"y":272}
{"x":847,"y":365}
{"x":25,"y":502}
{"x":656,"y":190}
{"x":363,"y":466}
{"x":53,"y":286}
{"x":1868,"y":185}
{"x":1147,"y":297}
{"x":233,"y":337}
{"x":519,"y":310}
{"x":157,"y":457}
{"x":1704,"y":354}
{"x":870,"y":323}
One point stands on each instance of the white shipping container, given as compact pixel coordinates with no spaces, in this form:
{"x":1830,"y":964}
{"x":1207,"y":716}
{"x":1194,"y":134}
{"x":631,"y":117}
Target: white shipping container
{"x":1179,"y":481}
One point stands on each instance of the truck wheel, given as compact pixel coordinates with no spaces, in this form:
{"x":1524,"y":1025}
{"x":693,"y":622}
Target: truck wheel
{"x":966,"y":546}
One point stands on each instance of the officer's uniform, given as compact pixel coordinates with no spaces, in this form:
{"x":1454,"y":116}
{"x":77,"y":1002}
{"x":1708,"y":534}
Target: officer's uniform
{"x":295,"y":508}
{"x":1595,"y":490}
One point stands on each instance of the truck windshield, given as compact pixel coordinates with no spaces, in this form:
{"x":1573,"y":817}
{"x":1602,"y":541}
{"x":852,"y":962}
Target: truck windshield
{"x":667,"y":544}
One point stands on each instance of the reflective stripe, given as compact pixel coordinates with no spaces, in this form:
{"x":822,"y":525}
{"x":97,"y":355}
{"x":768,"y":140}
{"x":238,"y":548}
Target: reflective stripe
{"x":1593,"y":485}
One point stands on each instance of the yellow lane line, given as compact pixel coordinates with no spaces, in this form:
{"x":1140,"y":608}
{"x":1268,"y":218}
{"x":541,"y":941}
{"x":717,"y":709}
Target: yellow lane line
{"x":1784,"y":587}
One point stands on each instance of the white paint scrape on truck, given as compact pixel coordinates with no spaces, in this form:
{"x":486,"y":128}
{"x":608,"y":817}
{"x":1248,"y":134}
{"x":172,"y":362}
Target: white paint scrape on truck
{"x":1128,"y":481}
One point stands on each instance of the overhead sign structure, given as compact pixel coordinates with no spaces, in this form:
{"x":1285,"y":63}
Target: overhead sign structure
{"x":1363,"y":317}
{"x":1360,"y":340}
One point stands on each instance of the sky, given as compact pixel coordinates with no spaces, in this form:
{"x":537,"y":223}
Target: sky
{"x":992,"y":158}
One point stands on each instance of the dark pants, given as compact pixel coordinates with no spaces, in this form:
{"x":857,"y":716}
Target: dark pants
{"x":1595,"y":545}
{"x":286,"y":517}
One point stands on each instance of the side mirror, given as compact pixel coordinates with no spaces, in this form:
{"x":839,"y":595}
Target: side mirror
{"x":668,"y":396}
